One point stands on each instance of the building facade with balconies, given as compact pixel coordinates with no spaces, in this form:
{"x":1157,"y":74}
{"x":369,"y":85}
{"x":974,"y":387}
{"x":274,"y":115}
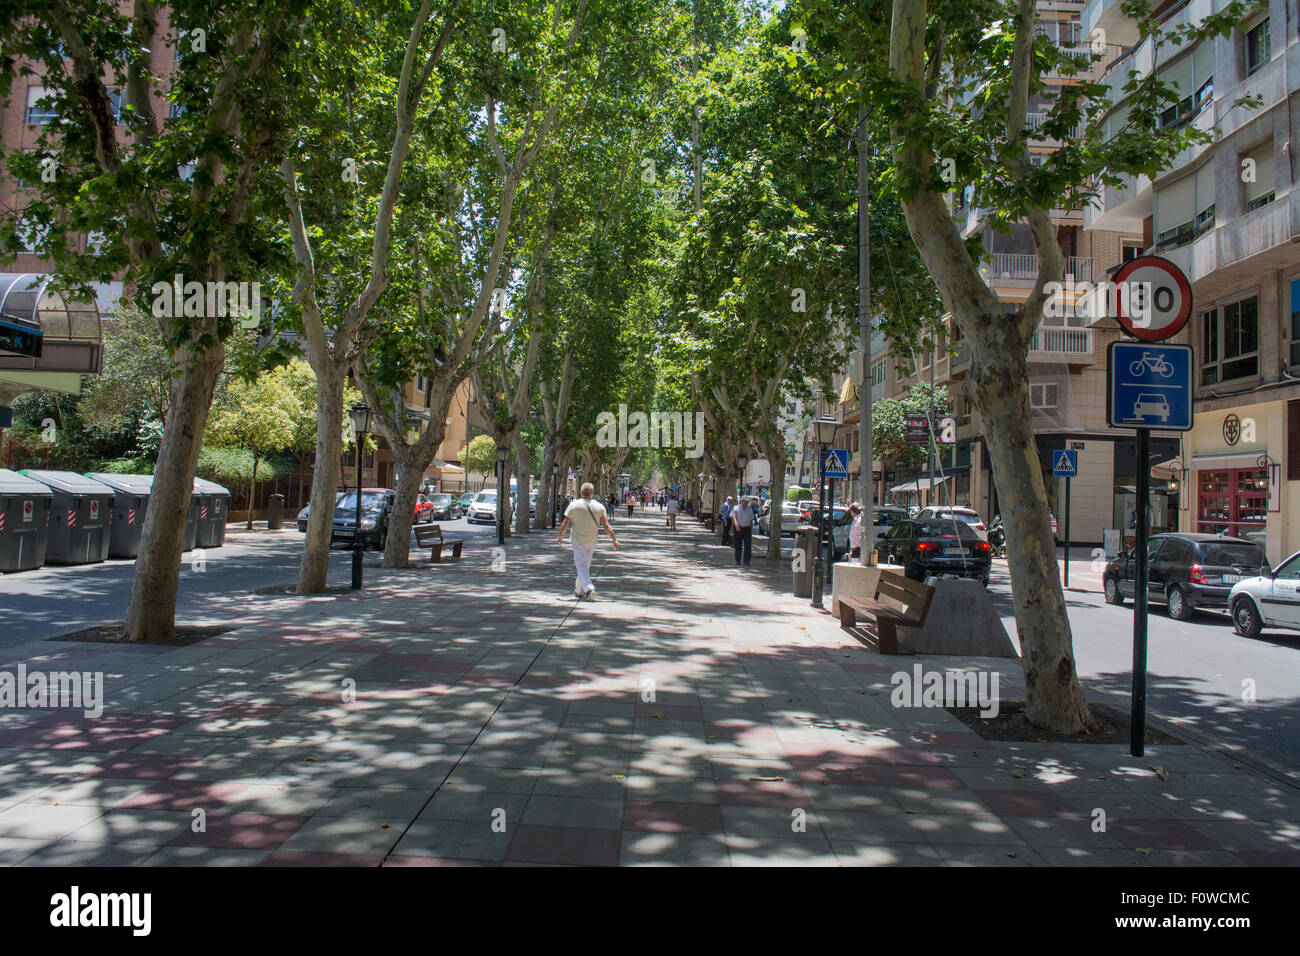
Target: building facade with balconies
{"x":1226,"y":213}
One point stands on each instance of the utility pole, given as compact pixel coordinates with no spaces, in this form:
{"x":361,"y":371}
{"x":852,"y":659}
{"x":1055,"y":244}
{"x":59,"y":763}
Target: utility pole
{"x":865,"y":453}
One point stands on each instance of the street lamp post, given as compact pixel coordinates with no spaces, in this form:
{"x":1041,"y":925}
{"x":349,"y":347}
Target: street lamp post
{"x":360,"y":415}
{"x":824,"y":430}
{"x":503,"y":493}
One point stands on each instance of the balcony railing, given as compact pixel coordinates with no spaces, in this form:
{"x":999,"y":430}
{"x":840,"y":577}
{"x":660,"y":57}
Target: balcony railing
{"x":1062,"y":341}
{"x":1015,"y":265}
{"x":1035,"y":121}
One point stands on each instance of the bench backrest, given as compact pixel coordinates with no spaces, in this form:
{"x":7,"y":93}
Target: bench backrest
{"x":913,"y":596}
{"x":424,"y":532}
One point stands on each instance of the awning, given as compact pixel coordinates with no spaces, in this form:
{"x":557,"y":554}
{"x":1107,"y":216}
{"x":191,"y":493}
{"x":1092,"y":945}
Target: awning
{"x":449,"y":469}
{"x":846,"y":391}
{"x":919,"y":484}
{"x":1246,"y":459}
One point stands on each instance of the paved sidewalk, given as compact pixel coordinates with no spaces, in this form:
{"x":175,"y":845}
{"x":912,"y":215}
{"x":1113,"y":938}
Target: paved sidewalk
{"x":694,"y":713}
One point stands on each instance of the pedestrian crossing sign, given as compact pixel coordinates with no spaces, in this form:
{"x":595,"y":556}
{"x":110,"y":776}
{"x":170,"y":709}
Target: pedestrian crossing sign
{"x":836,"y":463}
{"x":1065,"y":463}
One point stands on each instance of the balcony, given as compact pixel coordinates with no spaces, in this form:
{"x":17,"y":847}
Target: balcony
{"x":1108,"y":16}
{"x":1095,"y":60}
{"x":1022,"y":269}
{"x":1057,"y":343}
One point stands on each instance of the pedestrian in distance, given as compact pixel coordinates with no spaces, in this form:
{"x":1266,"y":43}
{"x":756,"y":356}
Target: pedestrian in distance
{"x":742,"y":521}
{"x":855,"y":532}
{"x":727,"y":506}
{"x":672,"y":514}
{"x":586,"y":517}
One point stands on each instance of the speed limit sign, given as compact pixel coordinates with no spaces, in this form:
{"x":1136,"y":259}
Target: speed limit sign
{"x":1153,"y":299}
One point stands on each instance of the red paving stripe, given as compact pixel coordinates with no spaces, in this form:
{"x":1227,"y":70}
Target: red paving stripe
{"x":1019,"y":803}
{"x":671,"y":817}
{"x":1161,"y":834}
{"x":883,"y":775}
{"x":141,"y":766}
{"x":570,"y":846}
{"x":405,"y":860}
{"x":242,"y":831}
{"x":760,"y":793}
{"x":307,"y":858}
{"x":184,"y":796}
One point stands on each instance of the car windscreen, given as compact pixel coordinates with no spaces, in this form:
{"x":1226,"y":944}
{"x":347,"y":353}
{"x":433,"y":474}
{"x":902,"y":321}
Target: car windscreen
{"x":945,"y":528}
{"x":1229,"y":553}
{"x":440,"y":499}
{"x":370,"y":501}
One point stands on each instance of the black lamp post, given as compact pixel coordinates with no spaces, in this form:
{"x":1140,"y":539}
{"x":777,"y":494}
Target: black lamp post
{"x":824,"y":431}
{"x":555,"y":491}
{"x":503,"y":493}
{"x":360,"y":415}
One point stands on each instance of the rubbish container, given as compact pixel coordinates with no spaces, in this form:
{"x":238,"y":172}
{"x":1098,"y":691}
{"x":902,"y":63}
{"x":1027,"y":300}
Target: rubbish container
{"x":81,"y":512}
{"x":805,"y":554}
{"x":214,"y":508}
{"x":275,"y":513}
{"x":24,"y":521}
{"x":130,"y":504}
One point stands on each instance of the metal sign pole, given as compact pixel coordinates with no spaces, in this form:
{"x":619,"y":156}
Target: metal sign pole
{"x":1068,"y":480}
{"x":1138,"y":716}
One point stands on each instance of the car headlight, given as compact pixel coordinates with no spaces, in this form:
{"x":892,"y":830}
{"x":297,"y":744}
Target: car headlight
{"x":368,"y":524}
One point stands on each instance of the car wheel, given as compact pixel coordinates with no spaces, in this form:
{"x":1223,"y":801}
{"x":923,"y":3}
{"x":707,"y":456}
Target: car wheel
{"x":382,"y":541}
{"x":1113,"y":594}
{"x":1245,"y":619}
{"x":1179,"y":609}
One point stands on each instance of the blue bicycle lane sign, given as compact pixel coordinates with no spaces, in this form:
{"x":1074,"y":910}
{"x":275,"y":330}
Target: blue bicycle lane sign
{"x":1150,"y":386}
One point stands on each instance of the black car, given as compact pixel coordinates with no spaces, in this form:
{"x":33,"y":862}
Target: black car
{"x":1186,"y":571}
{"x":937,"y":547}
{"x":445,"y":507}
{"x":376,"y":509}
{"x":305,"y":513}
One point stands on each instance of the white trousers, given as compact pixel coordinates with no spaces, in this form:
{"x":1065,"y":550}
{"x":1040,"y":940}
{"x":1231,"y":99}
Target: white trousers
{"x":582,"y":555}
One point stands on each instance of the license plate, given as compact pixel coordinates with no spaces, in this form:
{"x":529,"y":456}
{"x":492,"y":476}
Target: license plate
{"x":1231,"y":578}
{"x":955,"y":552}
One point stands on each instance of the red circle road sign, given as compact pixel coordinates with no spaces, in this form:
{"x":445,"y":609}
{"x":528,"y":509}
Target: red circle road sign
{"x":1153,"y":299}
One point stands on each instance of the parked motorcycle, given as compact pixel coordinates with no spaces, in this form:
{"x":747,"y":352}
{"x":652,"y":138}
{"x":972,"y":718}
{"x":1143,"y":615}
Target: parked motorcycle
{"x":998,"y":537}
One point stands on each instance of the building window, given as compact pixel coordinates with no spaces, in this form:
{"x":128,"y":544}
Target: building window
{"x":1044,"y":396}
{"x":1230,"y":337}
{"x":1192,"y":76}
{"x":1259,"y":47}
{"x":1233,"y":502}
{"x":1185,"y":209}
{"x":38,"y":113}
{"x":878,"y":373}
{"x":1295,"y":322}
{"x":1131,"y":251}
{"x":1258,"y":189}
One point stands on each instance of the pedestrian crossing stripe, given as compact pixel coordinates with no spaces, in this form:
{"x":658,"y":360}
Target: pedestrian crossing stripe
{"x":1064,"y":466}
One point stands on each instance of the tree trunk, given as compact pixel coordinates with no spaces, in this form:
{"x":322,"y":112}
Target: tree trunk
{"x":545,"y":485}
{"x":314,"y":568}
{"x":410,"y":471}
{"x":151,"y":613}
{"x":775,"y":452}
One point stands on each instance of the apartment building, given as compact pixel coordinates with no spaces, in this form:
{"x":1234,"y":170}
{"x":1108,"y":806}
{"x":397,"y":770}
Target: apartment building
{"x":1227,"y":215}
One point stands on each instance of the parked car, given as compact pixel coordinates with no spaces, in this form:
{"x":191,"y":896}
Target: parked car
{"x":305,"y":513}
{"x":423,"y":510}
{"x":441,"y":507}
{"x":376,"y":510}
{"x":885,"y":517}
{"x":1269,"y":598}
{"x":965,"y":515}
{"x":1186,"y":571}
{"x":926,"y":547}
{"x":465,"y":500}
{"x":483,"y":509}
{"x":790,"y":519}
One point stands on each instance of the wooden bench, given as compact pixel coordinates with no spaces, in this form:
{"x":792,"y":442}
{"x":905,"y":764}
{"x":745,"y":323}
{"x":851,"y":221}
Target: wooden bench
{"x":430,"y":536}
{"x":914,"y":597}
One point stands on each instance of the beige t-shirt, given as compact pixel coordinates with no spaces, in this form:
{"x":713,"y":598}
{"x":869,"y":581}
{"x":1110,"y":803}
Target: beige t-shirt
{"x":586,"y":515}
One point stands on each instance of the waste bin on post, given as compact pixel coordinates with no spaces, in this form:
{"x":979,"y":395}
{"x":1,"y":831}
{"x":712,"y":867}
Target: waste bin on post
{"x":214,"y":507}
{"x":805,"y":553}
{"x":81,"y":513}
{"x":24,"y":521}
{"x":130,"y":504}
{"x":275,"y":513}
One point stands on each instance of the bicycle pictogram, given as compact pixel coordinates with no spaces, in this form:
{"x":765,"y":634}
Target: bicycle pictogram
{"x":1155,"y":363}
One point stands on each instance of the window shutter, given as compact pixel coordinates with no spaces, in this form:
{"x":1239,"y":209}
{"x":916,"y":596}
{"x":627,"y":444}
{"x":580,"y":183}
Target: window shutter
{"x":1180,"y":76}
{"x":1293,"y":440}
{"x":1174,"y":204}
{"x":1263,"y":184}
{"x":1203,"y":62}
{"x":1205,"y":187}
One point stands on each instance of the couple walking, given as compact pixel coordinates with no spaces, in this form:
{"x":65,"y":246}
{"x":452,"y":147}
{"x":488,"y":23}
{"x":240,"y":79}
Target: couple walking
{"x":586,"y":517}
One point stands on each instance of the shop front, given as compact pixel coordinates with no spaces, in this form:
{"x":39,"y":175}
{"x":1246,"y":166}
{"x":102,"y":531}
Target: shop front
{"x":1236,"y":477}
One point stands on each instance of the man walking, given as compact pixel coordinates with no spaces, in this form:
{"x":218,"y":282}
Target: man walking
{"x":726,"y":516}
{"x":672,"y":513}
{"x":586,"y":517}
{"x":855,"y":532}
{"x":742,"y":520}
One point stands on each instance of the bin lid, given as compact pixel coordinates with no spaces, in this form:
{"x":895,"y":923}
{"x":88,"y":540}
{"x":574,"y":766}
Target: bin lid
{"x":131,"y":484}
{"x":205,"y":487}
{"x":12,"y":483}
{"x":68,"y":481}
